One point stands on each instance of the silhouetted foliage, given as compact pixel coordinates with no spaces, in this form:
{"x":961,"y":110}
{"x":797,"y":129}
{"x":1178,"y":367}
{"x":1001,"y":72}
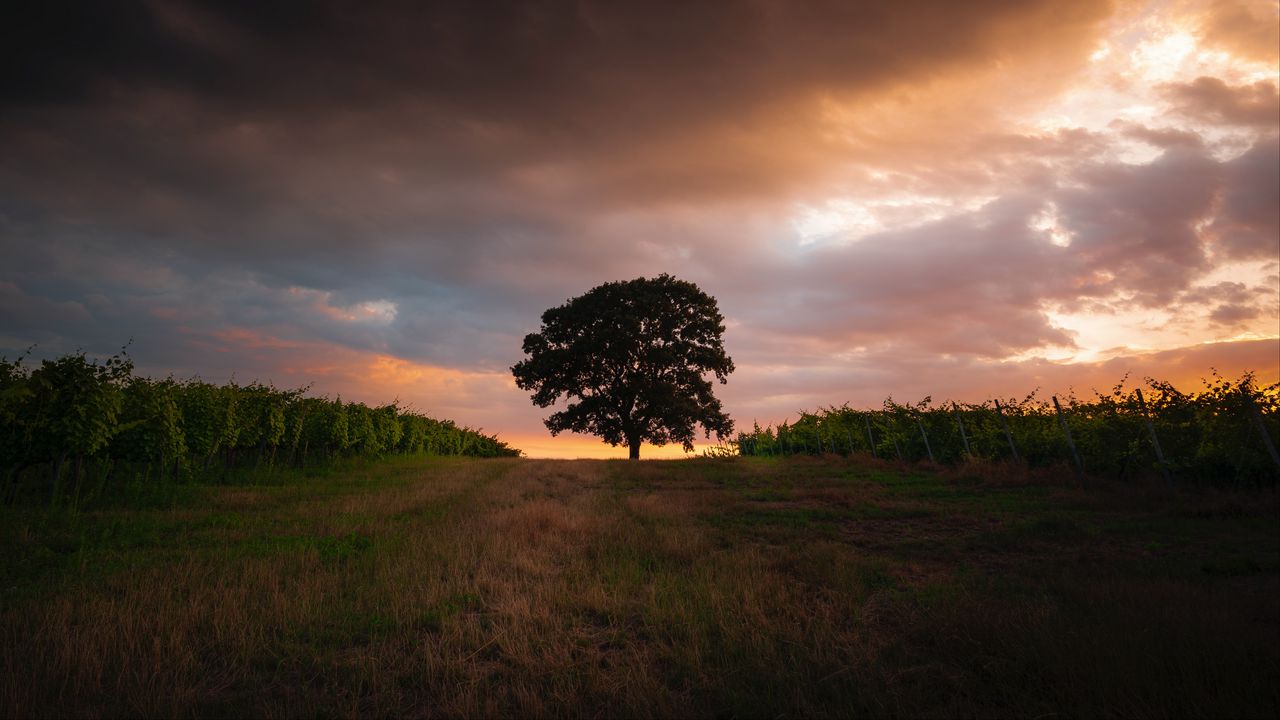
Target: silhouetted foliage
{"x":630,"y":358}
{"x":1219,"y":435}
{"x":101,"y":427}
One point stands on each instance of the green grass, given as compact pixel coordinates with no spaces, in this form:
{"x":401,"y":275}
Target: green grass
{"x":716,"y":588}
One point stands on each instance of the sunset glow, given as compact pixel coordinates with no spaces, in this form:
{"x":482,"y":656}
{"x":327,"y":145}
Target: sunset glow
{"x":961,"y":201}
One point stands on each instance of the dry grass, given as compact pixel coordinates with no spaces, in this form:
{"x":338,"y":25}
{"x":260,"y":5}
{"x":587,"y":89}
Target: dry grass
{"x":719,"y":588}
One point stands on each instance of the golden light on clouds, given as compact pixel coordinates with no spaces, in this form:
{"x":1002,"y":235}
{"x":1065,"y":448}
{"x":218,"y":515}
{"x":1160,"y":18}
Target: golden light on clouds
{"x":930,"y":198}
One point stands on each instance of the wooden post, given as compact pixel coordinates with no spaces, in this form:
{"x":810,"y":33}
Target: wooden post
{"x":849,"y":430}
{"x":896,"y":448}
{"x":57,"y":479}
{"x":1062,"y":420}
{"x":1007,"y":435}
{"x":1262,"y":428}
{"x":924,"y":435}
{"x":871,"y":438}
{"x":960,"y":424}
{"x":1155,"y":441}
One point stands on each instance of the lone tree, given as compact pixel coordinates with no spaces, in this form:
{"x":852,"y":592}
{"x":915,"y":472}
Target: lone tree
{"x":631,"y":358}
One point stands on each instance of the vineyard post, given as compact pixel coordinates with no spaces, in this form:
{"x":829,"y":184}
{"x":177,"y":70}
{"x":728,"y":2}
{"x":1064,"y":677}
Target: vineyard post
{"x":963,"y":436}
{"x":924,"y":435}
{"x":1075,"y":456}
{"x":57,"y":479}
{"x":1262,"y":428}
{"x":104,"y":478}
{"x":1008,"y":435}
{"x":77,"y":475}
{"x":896,"y":448}
{"x":1155,"y":441}
{"x":871,"y":438}
{"x":10,"y":481}
{"x":849,"y":430}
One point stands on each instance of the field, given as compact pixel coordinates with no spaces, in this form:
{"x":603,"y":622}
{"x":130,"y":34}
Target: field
{"x":743,"y":587}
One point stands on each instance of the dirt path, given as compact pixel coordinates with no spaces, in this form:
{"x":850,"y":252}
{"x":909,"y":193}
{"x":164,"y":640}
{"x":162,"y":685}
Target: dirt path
{"x":590,"y":588}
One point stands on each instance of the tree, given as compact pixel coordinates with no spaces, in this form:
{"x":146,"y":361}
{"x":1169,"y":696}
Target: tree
{"x":630,"y":359}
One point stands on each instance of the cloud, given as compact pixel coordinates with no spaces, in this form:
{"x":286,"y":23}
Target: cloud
{"x":1233,"y":314}
{"x":1246,"y":28}
{"x":866,"y":382}
{"x":1248,"y":225}
{"x":1134,"y":227}
{"x":1209,"y":98}
{"x":33,"y":315}
{"x":379,"y":196}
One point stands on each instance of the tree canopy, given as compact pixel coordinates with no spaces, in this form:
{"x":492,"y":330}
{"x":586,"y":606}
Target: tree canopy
{"x":631,"y":359}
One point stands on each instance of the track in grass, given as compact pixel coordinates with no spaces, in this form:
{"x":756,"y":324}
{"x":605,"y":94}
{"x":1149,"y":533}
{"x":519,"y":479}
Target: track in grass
{"x":743,"y":587}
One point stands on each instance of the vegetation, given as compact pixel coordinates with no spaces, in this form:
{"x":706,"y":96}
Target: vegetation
{"x":1222,"y":435}
{"x":749,"y":587}
{"x":631,"y":359}
{"x":74,"y":429}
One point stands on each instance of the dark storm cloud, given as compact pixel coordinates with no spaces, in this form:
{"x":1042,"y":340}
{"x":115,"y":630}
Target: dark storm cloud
{"x":669,"y":101}
{"x":64,"y":52}
{"x":427,"y":153}
{"x":602,"y":61}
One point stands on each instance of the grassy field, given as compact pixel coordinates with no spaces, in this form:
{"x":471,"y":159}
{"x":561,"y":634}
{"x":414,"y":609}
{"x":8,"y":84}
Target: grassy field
{"x":721,"y":588}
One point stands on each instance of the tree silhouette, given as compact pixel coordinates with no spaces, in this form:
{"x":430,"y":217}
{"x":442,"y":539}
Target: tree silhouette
{"x":630,"y":359}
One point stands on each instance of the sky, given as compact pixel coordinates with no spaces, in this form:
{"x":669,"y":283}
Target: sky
{"x":960,"y":200}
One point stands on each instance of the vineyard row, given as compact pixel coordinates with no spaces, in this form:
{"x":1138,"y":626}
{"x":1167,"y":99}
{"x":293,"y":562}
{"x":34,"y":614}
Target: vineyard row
{"x":75,"y":427}
{"x":1222,"y":435}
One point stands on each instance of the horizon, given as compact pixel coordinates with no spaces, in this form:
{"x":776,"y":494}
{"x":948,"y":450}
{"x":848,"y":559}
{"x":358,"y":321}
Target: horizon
{"x":961,"y":202}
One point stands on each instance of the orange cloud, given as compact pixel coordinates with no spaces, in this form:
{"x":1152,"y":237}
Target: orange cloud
{"x":943,"y":198}
{"x":1247,"y":29}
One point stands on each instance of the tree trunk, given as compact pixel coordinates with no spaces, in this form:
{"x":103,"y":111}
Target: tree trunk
{"x":634,"y":445}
